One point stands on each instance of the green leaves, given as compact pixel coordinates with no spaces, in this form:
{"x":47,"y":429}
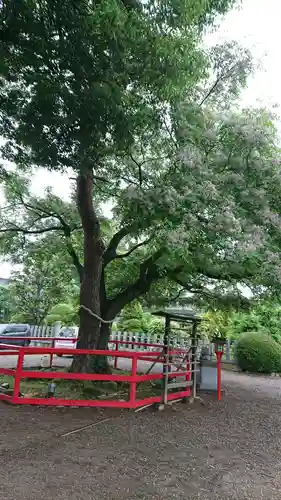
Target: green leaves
{"x":134,"y":320}
{"x":46,"y":278}
{"x":5,"y":304}
{"x":66,"y":313}
{"x":215,"y":324}
{"x":263,"y":317}
{"x":78,"y":80}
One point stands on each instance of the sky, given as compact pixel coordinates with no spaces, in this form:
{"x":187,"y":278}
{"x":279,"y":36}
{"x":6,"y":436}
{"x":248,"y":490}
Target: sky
{"x":255,"y":25}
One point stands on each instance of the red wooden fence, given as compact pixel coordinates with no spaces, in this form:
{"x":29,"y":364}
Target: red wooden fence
{"x":20,"y":373}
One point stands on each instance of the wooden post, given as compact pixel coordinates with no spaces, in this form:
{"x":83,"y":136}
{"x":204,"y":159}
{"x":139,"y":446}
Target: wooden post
{"x":228,"y":347}
{"x":219,"y":356}
{"x":51,"y":355}
{"x":133,"y":385}
{"x":115,"y":357}
{"x":54,"y":332}
{"x":166,"y":359}
{"x":193,"y":358}
{"x":18,"y":374}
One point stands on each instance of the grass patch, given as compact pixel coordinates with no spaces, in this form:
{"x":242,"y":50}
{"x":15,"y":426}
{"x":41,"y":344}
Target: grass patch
{"x":67,"y":389}
{"x":76,"y":389}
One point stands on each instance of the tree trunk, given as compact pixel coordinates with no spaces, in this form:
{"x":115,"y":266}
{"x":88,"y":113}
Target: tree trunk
{"x":92,"y":332}
{"x":90,"y":286}
{"x":114,"y":306}
{"x":101,"y":362}
{"x":105,"y":332}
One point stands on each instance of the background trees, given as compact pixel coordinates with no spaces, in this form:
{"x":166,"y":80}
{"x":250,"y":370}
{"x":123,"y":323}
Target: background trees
{"x":263,"y":317}
{"x":5,"y":304}
{"x":134,"y":319}
{"x":43,"y":282}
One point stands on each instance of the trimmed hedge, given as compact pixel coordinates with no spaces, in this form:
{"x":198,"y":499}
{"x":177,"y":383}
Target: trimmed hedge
{"x":257,"y":352}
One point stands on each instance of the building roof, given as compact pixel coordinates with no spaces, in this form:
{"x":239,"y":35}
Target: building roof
{"x":179,"y":314}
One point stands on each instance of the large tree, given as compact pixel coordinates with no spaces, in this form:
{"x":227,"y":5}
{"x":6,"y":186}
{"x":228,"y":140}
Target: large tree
{"x":84,"y":80}
{"x":200,"y":219}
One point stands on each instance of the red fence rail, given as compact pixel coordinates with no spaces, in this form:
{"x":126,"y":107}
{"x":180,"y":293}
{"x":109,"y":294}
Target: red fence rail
{"x":20,"y":373}
{"x":52,"y":341}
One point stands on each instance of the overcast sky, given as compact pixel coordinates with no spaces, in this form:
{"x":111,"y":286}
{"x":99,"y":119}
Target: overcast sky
{"x":256,"y":25}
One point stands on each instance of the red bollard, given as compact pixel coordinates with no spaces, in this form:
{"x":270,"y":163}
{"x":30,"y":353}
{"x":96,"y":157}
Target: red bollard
{"x":219,"y":347}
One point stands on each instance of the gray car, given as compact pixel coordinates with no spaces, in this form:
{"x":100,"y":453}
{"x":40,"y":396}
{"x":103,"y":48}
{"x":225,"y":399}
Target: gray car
{"x":15,"y":331}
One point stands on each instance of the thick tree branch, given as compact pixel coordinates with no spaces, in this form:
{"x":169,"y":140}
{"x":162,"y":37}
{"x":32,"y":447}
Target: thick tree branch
{"x":216,"y":273}
{"x":149,"y":273}
{"x":139,"y":165}
{"x":31,"y":231}
{"x":126,"y":254}
{"x":111,"y":251}
{"x":176,"y":297}
{"x":75,"y":259}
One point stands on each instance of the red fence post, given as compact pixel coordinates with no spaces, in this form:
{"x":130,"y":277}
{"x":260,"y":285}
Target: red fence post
{"x":51,"y":355}
{"x":18,"y":374}
{"x":115,"y":357}
{"x":133,"y":387}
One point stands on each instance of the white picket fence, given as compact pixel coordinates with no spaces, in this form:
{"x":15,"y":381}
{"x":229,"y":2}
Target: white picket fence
{"x":54,"y":331}
{"x":43,"y":331}
{"x":179,"y":340}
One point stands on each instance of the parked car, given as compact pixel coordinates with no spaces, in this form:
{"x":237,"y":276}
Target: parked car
{"x":15,"y":330}
{"x":67,"y":333}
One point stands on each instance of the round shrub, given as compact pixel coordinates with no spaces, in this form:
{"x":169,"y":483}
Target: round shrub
{"x":258,"y":353}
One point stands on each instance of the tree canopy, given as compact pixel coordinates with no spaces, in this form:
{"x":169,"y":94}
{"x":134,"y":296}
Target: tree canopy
{"x":187,"y":223}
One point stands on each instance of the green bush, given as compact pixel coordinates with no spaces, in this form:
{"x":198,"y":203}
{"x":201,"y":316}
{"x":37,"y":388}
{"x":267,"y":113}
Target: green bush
{"x":257,"y":352}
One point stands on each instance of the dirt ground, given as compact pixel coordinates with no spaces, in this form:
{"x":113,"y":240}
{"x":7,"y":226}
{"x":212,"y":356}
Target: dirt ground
{"x":210,"y":450}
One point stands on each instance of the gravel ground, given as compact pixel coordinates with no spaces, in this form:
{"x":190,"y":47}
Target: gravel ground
{"x":210,"y":451}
